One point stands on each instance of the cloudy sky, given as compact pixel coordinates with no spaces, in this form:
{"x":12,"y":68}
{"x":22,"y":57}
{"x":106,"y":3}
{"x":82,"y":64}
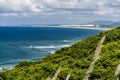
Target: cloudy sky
{"x":58,"y":11}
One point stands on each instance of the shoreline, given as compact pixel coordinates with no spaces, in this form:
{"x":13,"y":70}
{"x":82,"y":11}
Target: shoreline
{"x":62,"y":26}
{"x":9,"y":67}
{"x":51,"y":52}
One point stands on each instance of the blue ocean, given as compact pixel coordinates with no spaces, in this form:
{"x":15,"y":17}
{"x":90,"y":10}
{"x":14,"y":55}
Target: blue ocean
{"x":32,"y":43}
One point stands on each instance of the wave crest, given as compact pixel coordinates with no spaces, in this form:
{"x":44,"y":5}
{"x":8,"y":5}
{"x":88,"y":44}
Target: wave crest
{"x":46,"y":47}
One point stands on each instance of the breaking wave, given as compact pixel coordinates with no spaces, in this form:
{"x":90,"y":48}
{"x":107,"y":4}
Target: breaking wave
{"x":47,"y":47}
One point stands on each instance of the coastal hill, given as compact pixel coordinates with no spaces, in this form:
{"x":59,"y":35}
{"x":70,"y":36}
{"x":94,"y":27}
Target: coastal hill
{"x":105,"y":22}
{"x":94,"y":58}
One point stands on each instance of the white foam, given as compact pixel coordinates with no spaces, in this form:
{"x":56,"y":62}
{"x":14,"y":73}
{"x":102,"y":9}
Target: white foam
{"x":66,"y":45}
{"x":6,"y":67}
{"x":61,"y":46}
{"x":41,"y":47}
{"x":1,"y":69}
{"x":47,"y":47}
{"x":52,"y":52}
{"x":67,"y":41}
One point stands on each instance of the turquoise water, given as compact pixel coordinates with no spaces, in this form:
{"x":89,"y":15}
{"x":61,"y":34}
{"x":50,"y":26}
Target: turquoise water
{"x":32,"y":43}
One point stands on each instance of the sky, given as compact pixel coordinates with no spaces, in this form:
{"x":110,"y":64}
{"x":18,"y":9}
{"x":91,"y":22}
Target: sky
{"x":58,"y":11}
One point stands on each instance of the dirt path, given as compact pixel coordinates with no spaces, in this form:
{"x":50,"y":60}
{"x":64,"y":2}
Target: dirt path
{"x":48,"y":78}
{"x":56,"y":74}
{"x":68,"y":77}
{"x":95,"y":58}
{"x":117,"y":72}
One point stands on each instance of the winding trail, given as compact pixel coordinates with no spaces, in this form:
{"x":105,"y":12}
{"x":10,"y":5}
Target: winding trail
{"x":48,"y":78}
{"x":117,"y":72}
{"x":68,"y":77}
{"x":95,"y":58}
{"x":56,"y":74}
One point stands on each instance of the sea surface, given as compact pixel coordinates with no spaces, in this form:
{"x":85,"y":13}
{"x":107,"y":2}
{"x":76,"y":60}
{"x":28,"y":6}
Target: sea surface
{"x":32,"y":43}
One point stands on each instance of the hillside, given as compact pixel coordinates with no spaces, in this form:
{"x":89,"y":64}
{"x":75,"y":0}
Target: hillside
{"x":105,"y":22}
{"x":102,"y":22}
{"x":102,"y":51}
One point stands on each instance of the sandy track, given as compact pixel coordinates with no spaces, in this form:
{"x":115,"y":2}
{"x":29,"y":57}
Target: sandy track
{"x":95,"y":58}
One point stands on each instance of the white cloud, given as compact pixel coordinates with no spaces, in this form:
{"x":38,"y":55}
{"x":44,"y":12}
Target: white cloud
{"x":53,"y":7}
{"x":11,"y":6}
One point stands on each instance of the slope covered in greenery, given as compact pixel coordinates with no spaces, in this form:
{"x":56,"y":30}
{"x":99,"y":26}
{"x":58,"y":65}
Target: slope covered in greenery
{"x":74,"y":60}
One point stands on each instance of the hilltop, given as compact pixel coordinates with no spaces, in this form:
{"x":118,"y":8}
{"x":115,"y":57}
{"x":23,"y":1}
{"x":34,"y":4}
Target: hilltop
{"x":75,"y":61}
{"x":105,"y":22}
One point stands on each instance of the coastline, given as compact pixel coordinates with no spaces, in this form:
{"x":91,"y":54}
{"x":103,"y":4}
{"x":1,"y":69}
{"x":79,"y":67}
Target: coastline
{"x":51,"y":52}
{"x":10,"y":67}
{"x":93,"y":27}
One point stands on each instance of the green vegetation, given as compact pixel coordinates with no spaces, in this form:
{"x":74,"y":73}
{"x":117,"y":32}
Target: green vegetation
{"x":74,"y":60}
